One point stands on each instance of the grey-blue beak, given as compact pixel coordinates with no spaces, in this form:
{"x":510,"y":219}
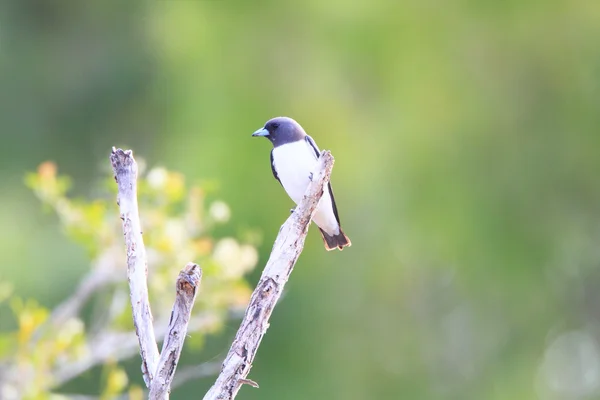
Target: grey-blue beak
{"x":261,"y":132}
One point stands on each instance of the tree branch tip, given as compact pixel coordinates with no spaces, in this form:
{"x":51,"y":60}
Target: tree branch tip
{"x":189,"y":278}
{"x":192,"y":271}
{"x":122,"y":162}
{"x":120,"y":156}
{"x":191,"y":267}
{"x":327,"y":155}
{"x":120,"y":152}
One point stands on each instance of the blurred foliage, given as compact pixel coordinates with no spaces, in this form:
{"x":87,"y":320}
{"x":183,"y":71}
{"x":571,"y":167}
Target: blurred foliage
{"x":178,"y":225}
{"x":466,"y":142}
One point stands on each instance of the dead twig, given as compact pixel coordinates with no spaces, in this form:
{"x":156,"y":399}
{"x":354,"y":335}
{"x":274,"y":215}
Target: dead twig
{"x":187,"y":284}
{"x":125,"y":169}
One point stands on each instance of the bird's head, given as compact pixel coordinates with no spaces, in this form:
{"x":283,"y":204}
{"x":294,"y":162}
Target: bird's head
{"x":281,"y":130}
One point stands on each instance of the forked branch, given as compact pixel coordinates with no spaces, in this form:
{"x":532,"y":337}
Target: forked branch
{"x":157,"y":372}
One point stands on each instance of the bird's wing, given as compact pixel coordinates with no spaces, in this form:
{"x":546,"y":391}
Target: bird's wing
{"x":335,"y":211}
{"x":312,"y":144}
{"x":274,"y":170}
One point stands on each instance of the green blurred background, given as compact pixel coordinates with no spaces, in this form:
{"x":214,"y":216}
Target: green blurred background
{"x":466,"y":137}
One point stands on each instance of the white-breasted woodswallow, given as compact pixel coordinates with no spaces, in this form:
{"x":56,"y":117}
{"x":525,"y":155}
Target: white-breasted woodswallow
{"x":293,"y":159}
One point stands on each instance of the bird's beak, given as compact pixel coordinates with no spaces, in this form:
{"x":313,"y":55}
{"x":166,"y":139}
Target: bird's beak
{"x":261,"y":132}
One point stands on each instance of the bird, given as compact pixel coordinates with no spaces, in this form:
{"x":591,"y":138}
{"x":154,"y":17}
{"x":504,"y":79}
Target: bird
{"x":293,"y":159}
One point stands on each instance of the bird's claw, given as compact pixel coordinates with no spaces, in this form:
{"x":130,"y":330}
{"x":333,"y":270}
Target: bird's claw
{"x":310,"y":176}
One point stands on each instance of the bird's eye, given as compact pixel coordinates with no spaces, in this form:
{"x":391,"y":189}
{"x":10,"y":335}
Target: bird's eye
{"x":275,"y":125}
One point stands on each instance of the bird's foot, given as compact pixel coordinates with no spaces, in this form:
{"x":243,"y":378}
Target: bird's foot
{"x":310,"y":176}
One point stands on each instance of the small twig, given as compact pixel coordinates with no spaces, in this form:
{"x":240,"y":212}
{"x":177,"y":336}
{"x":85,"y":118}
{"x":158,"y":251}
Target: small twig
{"x":196,"y":372}
{"x":286,"y":250}
{"x":118,"y":346}
{"x":125,"y":169}
{"x":67,"y":396}
{"x":187,"y":284}
{"x":88,"y":286}
{"x":99,"y":277}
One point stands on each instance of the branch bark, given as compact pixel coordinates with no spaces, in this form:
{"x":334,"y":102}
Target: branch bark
{"x":285,"y":253}
{"x":187,"y":283}
{"x":125,"y":169}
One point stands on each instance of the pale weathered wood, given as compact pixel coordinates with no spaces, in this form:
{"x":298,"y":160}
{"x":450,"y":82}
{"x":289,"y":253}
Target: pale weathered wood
{"x":125,"y":169}
{"x":157,"y":372}
{"x":286,"y":250}
{"x":187,"y":285}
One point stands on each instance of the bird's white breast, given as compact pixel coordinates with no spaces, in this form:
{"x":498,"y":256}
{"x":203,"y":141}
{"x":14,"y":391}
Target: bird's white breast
{"x":294,"y":162}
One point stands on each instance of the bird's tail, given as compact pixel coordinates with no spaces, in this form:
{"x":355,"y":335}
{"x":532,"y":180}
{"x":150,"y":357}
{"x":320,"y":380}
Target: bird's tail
{"x":336,"y":241}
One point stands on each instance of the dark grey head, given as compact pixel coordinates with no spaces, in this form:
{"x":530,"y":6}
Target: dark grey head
{"x":281,"y":130}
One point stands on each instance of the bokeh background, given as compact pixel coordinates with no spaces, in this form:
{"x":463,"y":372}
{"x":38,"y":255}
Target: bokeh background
{"x":466,"y":137}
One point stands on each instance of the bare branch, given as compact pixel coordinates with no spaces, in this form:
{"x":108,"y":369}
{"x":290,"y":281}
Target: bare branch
{"x":184,"y":375}
{"x":90,"y":284}
{"x":125,"y":169}
{"x":66,"y":396}
{"x":118,"y":346}
{"x":187,"y":284}
{"x":286,"y":250}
